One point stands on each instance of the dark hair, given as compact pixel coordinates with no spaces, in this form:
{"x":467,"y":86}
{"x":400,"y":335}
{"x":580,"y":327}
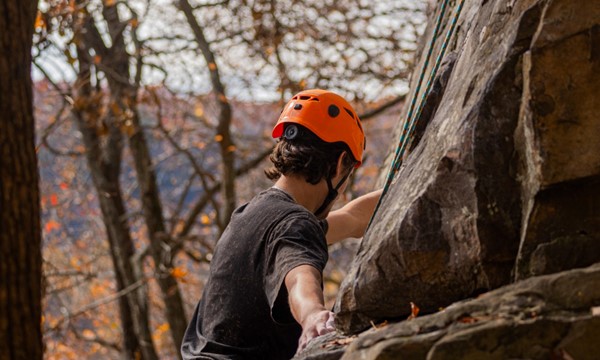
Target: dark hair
{"x":308,"y":156}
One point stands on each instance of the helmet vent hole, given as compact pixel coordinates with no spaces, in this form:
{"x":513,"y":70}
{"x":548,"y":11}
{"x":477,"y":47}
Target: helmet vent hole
{"x":304,"y":97}
{"x":333,"y":111}
{"x":349,"y":113}
{"x":358,"y":123}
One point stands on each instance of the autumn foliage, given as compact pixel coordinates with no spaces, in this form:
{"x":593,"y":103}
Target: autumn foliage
{"x":147,"y":136}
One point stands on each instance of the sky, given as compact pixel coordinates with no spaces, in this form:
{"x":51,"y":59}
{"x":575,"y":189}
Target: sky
{"x":247,"y":79}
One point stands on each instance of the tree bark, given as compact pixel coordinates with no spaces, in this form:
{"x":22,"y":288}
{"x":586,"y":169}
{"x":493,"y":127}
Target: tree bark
{"x":124,"y":98}
{"x":223,"y":135}
{"x":160,"y":246}
{"x":20,"y":231}
{"x":104,"y":163}
{"x":134,"y":305}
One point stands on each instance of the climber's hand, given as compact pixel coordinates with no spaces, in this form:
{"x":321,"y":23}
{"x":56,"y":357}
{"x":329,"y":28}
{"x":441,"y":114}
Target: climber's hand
{"x":316,"y":324}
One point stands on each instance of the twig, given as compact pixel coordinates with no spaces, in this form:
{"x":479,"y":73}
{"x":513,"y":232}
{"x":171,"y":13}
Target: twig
{"x":103,"y":301}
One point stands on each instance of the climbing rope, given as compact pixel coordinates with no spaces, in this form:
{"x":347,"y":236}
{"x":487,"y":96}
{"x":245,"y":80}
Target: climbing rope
{"x":412,"y":115}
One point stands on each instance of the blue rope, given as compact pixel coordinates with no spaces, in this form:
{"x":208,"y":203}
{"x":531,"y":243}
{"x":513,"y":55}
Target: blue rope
{"x":411,"y":118}
{"x":398,"y":162}
{"x":434,"y":37}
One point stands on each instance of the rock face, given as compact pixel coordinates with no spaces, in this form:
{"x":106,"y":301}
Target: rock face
{"x":554,"y":316}
{"x":503,"y":180}
{"x":558,"y":137}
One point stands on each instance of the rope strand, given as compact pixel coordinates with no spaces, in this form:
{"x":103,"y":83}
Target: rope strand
{"x":412,"y":117}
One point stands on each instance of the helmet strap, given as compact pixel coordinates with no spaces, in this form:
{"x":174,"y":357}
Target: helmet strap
{"x":332,"y":192}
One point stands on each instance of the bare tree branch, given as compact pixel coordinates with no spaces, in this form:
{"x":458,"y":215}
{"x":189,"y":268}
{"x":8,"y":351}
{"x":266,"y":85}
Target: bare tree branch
{"x":95,"y":304}
{"x":372,"y":113}
{"x":225,"y":140}
{"x":96,"y":339}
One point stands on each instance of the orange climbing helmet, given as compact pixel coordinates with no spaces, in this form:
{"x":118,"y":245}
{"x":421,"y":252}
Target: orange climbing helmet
{"x":328,"y":116}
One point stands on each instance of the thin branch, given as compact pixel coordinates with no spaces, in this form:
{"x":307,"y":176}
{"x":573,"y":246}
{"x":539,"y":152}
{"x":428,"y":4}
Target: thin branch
{"x":100,"y":302}
{"x":48,"y":131}
{"x":197,"y":168}
{"x":226,"y":144}
{"x":65,"y":95}
{"x":189,"y":223}
{"x":382,"y":108}
{"x":61,"y":273}
{"x":202,"y":258}
{"x":96,"y":339}
{"x":200,"y":6}
{"x":179,"y":208}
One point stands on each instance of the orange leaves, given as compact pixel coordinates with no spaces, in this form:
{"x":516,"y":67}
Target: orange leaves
{"x":342,"y":342}
{"x":160,"y":331}
{"x":40,"y":23}
{"x":472,"y":319}
{"x":116,"y":109}
{"x":414,"y":311}
{"x":380,"y":325}
{"x":467,"y":320}
{"x":60,"y":351}
{"x":345,"y":341}
{"x":88,"y":334}
{"x":179,"y":226}
{"x":128,"y":128}
{"x":75,"y":263}
{"x":98,"y":290}
{"x":199,"y":110}
{"x":222,"y":98}
{"x":219,"y":138}
{"x":51,"y":199}
{"x":204,"y":219}
{"x":178,"y":272}
{"x":51,"y":225}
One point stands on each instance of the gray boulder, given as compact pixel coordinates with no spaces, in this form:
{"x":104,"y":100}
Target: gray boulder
{"x":503,"y":178}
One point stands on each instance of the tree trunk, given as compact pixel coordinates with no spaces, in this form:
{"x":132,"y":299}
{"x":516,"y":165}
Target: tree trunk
{"x":223,"y":135}
{"x":134,"y":305}
{"x":159,"y":243}
{"x":123,"y":98}
{"x":20,"y":232}
{"x":104,"y":163}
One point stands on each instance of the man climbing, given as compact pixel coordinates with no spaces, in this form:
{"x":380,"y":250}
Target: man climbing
{"x":264,"y":298}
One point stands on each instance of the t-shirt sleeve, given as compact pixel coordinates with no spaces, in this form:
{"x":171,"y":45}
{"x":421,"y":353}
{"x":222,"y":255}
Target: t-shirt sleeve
{"x":298,"y":240}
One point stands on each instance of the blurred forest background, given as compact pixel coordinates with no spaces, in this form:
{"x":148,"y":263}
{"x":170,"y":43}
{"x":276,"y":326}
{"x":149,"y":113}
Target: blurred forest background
{"x":153,"y":121}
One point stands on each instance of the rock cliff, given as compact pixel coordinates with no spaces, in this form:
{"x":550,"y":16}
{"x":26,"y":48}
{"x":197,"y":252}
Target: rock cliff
{"x":501,"y":187}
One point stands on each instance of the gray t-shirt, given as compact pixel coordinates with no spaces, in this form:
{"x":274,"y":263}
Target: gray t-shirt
{"x":244,"y":311}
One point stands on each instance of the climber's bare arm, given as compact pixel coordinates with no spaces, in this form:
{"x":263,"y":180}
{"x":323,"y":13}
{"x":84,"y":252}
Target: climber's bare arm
{"x":353,"y":218}
{"x":305,"y":297}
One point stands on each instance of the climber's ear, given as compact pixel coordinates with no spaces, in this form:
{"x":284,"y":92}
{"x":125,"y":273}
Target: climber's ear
{"x":342,"y":170}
